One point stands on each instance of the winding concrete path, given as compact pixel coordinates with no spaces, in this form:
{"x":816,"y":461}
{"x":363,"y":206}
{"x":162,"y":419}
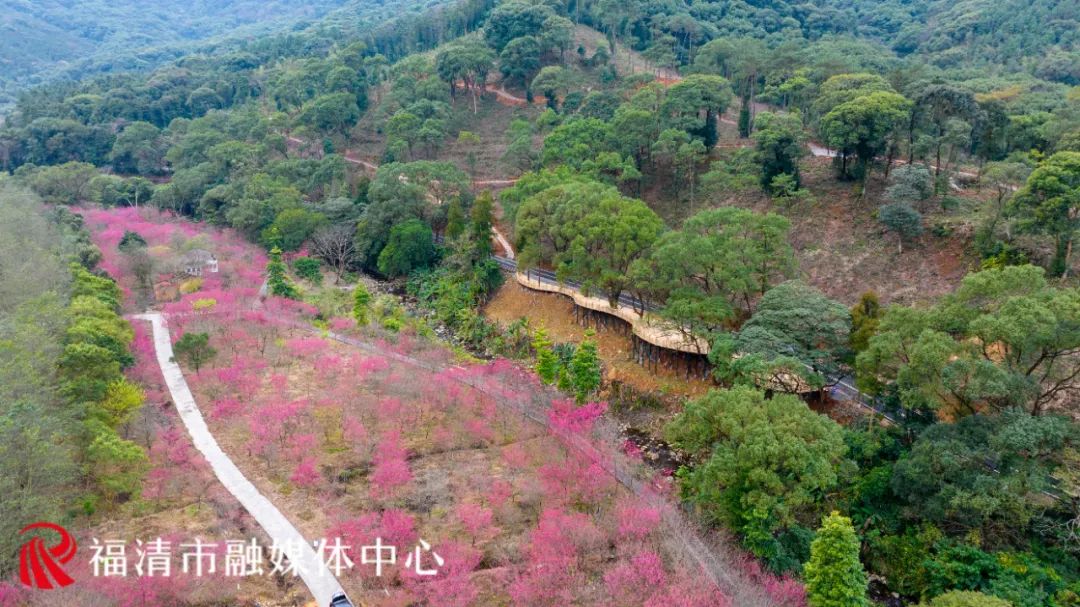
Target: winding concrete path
{"x":321,"y":583}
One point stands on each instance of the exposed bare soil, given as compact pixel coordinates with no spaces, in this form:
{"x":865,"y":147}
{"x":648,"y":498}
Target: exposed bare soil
{"x":555,"y":313}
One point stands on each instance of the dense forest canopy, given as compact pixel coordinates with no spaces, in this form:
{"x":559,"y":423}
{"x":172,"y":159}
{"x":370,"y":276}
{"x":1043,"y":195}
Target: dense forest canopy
{"x":45,"y":40}
{"x":50,"y":39}
{"x":1039,"y":36}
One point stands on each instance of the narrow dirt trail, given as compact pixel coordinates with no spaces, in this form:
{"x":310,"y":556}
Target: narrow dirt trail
{"x":348,"y":155}
{"x":351,"y":158}
{"x":364,"y":163}
{"x":321,"y":583}
{"x":495,"y":182}
{"x":495,"y":233}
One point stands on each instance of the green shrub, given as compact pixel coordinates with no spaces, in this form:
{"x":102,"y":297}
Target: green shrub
{"x":308,"y":268}
{"x":411,"y":246}
{"x":361,"y":300}
{"x":960,"y":598}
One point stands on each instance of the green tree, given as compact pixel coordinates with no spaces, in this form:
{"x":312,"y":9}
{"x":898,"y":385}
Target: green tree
{"x":745,"y":123}
{"x":687,"y":158}
{"x":405,"y":127}
{"x":842,"y":88}
{"x":139,"y":148}
{"x":87,"y":370}
{"x":666,"y":148}
{"x":785,"y":190}
{"x":732,"y":176}
{"x":865,"y":318}
{"x":308,"y":268}
{"x":469,"y":61}
{"x":276,"y":279}
{"x":793,"y":321}
{"x":601,"y":105}
{"x":111,"y":190}
{"x":118,"y":465}
{"x":552,"y":82}
{"x":577,"y":141}
{"x":455,"y":220}
{"x":39,"y":473}
{"x":711,"y":269}
{"x":432,"y":134}
{"x":585,"y":369}
{"x":944,"y":113}
{"x":902,"y":219}
{"x":547,"y":363}
{"x":131,"y":241}
{"x":263,"y":198}
{"x":482,"y":220}
{"x":68,"y":183}
{"x":1049,"y":203}
{"x":361,"y":300}
{"x":694,"y":103}
{"x":634,"y":131}
{"x":122,"y":401}
{"x":101,"y":288}
{"x":661,"y":52}
{"x":520,"y":60}
{"x":864,"y":127}
{"x":558,"y":34}
{"x":998,"y":341}
{"x":600,"y":233}
{"x":52,"y":141}
{"x":411,"y":246}
{"x":194,"y":349}
{"x":520,"y":155}
{"x":330,"y":113}
{"x":471,"y":142}
{"x":404,"y":191}
{"x":781,"y":142}
{"x":834,"y":575}
{"x":982,"y":475}
{"x":511,"y":20}
{"x":292,"y":228}
{"x":909,"y":184}
{"x":1002,"y":178}
{"x":109,"y":332}
{"x":761,"y":462}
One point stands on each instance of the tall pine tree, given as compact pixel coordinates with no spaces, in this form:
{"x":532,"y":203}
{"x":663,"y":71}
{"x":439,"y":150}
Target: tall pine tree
{"x":276,"y":280}
{"x":547,"y":363}
{"x":745,"y":123}
{"x":455,"y":219}
{"x":585,"y":369}
{"x":361,"y":299}
{"x":480,"y":229}
{"x":834,"y":575}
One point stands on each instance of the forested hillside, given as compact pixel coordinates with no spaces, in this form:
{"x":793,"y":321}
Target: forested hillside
{"x":816,"y":262}
{"x":1038,"y":36}
{"x":41,"y":41}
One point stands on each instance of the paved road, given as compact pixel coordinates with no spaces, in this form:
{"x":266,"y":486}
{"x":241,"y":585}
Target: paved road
{"x":280,"y":530}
